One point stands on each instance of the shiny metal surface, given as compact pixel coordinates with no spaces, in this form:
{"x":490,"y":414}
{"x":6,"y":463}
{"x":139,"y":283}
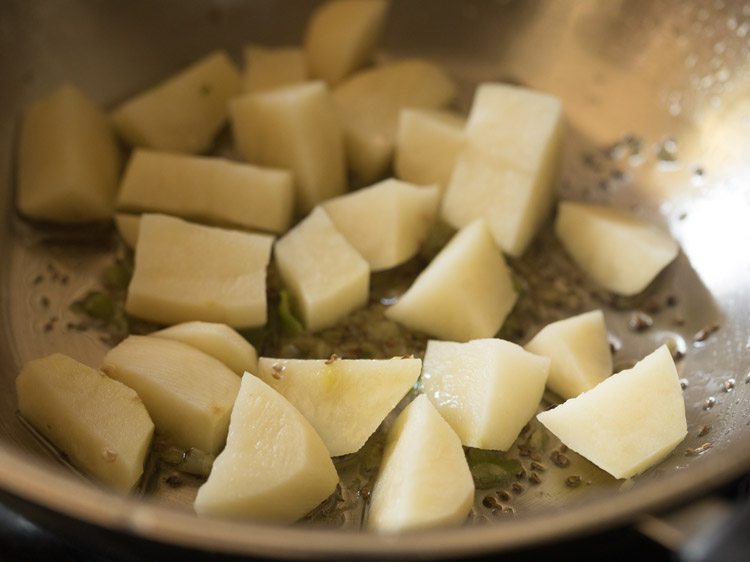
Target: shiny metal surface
{"x":657,"y":99}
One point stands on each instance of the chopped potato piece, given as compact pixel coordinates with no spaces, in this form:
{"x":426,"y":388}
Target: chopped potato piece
{"x":505,"y":173}
{"x":100,"y":424}
{"x":128,"y":226}
{"x":188,"y":393}
{"x":295,"y":127}
{"x":268,"y":68}
{"x":217,"y":340}
{"x":185,"y":271}
{"x":68,"y":160}
{"x":208,"y":190}
{"x":183,"y":113}
{"x":274,"y":469}
{"x":344,"y":399}
{"x":327,"y":277}
{"x":628,"y":422}
{"x":386,"y":222}
{"x":487,"y":390}
{"x":616,"y":249}
{"x":424,"y":479}
{"x":465,"y":293}
{"x":427,"y":144}
{"x":342,"y":35}
{"x":579,"y":350}
{"x":370,"y":102}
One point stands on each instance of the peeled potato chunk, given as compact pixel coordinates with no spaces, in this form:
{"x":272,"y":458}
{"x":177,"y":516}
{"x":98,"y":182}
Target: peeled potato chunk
{"x":127,"y":226}
{"x":628,"y":422}
{"x":341,"y":37}
{"x":370,"y":102}
{"x":188,"y":393}
{"x":424,"y":479}
{"x":328,"y":279}
{"x":184,"y":271}
{"x":619,"y":251}
{"x":427,"y":144}
{"x":274,"y":468}
{"x":297,"y":128}
{"x":345,"y":400}
{"x":208,"y":190}
{"x":268,"y":68}
{"x":386,"y":222}
{"x":465,"y":293}
{"x":505,"y":173}
{"x":68,"y":160}
{"x":184,"y":112}
{"x":217,"y":340}
{"x":579,"y":350}
{"x":100,"y":424}
{"x":487,"y":390}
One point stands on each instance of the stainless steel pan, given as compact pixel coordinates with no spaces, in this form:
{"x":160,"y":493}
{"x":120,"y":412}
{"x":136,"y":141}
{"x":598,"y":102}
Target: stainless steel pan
{"x":657,"y":98}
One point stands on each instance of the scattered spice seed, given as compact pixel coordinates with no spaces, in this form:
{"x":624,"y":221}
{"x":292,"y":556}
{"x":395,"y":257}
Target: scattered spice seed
{"x":706,"y":332}
{"x":276,"y":370}
{"x":508,"y":509}
{"x":332,"y":359}
{"x":502,"y":495}
{"x":698,"y":450}
{"x":524,"y":451}
{"x":517,"y":488}
{"x":558,"y":459}
{"x":729,"y":385}
{"x":44,"y":301}
{"x":37,"y":280}
{"x":537,"y":466}
{"x":173,"y":481}
{"x":364,"y":493}
{"x":490,"y":502}
{"x":521,"y":474}
{"x":573,"y":481}
{"x":671,"y":300}
{"x":684,"y":383}
{"x":640,"y":322}
{"x":709,"y":403}
{"x":704,"y":431}
{"x":534,"y":478}
{"x":109,"y":455}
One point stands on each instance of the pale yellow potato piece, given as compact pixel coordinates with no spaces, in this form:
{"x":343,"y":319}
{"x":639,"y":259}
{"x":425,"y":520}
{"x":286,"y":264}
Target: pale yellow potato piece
{"x":465,"y":293}
{"x":128,"y":226}
{"x":341,"y":37}
{"x":217,"y":340}
{"x":100,"y":424}
{"x":267,"y":68}
{"x":188,"y":393}
{"x":184,"y":271}
{"x":274,"y":468}
{"x":618,"y":250}
{"x":68,"y":160}
{"x":487,"y":390}
{"x":628,"y":422}
{"x":386,"y":222}
{"x":505,"y":174}
{"x":579,"y":350}
{"x":370,"y":102}
{"x":297,"y":128}
{"x":208,"y":190}
{"x":184,"y":112}
{"x":424,"y":479}
{"x":345,"y":400}
{"x":427,"y":144}
{"x":327,"y":277}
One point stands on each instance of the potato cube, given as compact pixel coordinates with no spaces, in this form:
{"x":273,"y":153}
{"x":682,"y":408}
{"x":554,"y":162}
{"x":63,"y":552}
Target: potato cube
{"x":274,"y":469}
{"x":386,"y":222}
{"x":505,"y":173}
{"x":465,"y":293}
{"x":344,"y":399}
{"x":68,"y":160}
{"x":370,"y":102}
{"x":342,"y":35}
{"x":268,"y":68}
{"x":427,"y":144}
{"x":487,"y":390}
{"x":188,"y":393}
{"x":628,"y":422}
{"x":619,"y":251}
{"x":295,"y":127}
{"x":424,"y":479}
{"x":100,"y":424}
{"x":217,"y":340}
{"x":328,"y":279}
{"x":579,"y":350}
{"x":185,"y":112}
{"x":185,"y":271}
{"x":208,"y":190}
